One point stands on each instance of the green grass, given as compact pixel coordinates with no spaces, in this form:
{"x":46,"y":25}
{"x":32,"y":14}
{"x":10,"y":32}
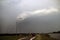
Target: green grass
{"x":8,"y":37}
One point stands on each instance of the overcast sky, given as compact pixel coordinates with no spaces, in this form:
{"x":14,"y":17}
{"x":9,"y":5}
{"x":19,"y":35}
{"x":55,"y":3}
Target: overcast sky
{"x":33,"y":16}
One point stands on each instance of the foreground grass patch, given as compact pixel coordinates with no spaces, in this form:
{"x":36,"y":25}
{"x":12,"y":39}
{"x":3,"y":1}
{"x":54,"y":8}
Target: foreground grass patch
{"x":8,"y":37}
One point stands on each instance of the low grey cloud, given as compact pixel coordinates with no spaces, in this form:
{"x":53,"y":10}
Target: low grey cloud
{"x":41,"y":12}
{"x":33,"y":15}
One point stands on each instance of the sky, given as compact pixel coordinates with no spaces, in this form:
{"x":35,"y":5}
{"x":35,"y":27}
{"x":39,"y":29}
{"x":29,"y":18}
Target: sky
{"x":30,"y":16}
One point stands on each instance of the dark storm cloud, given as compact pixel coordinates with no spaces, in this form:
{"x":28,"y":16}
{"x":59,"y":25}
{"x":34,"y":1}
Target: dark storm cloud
{"x":37,"y":23}
{"x":12,"y":8}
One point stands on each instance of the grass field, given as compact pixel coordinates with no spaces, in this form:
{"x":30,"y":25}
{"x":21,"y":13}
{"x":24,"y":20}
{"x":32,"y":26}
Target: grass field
{"x":8,"y":37}
{"x":16,"y":37}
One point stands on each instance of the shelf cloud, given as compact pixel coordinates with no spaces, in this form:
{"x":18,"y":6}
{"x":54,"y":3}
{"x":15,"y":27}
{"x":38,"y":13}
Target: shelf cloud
{"x":41,"y":12}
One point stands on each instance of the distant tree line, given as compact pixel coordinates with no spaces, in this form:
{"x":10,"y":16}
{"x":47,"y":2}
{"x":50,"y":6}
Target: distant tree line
{"x":57,"y":32}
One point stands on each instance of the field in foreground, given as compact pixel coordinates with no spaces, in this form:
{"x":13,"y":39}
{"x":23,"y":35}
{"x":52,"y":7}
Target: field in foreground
{"x":27,"y":37}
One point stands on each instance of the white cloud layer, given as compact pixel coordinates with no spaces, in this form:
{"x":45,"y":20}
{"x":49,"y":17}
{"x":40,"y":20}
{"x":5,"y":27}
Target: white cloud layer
{"x":41,"y":12}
